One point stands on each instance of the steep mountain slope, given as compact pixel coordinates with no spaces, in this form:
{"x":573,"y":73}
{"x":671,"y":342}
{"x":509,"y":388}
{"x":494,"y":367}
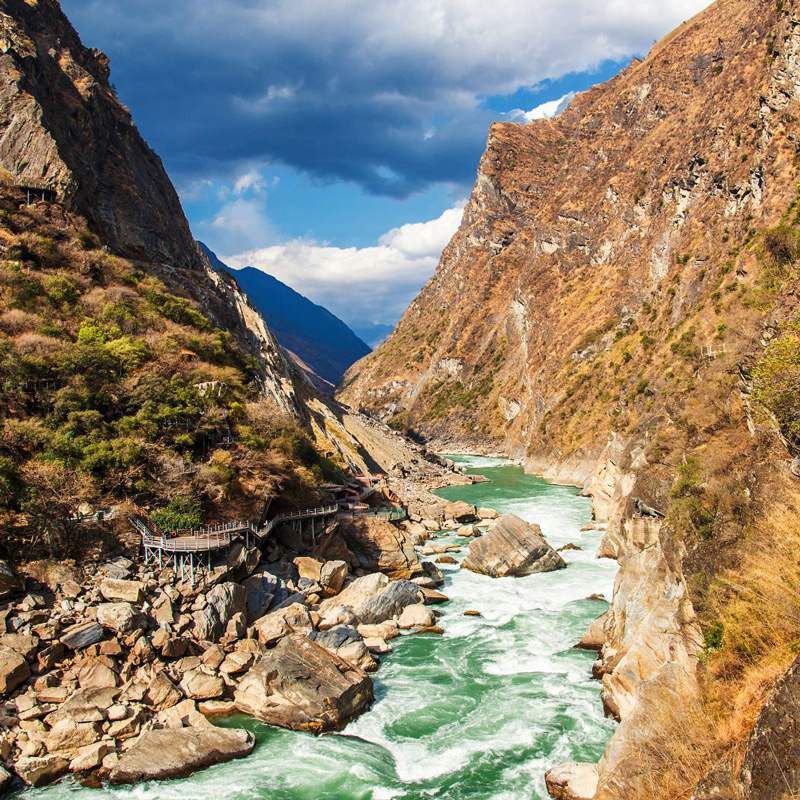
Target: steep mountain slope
{"x":129,"y":367}
{"x":619,"y":309}
{"x":317,"y":337}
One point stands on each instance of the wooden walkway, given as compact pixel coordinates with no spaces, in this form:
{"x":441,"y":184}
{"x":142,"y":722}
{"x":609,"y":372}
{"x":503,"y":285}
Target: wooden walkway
{"x":190,"y":548}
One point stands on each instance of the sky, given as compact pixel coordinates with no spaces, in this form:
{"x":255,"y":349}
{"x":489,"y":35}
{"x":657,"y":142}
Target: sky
{"x":333,"y":143}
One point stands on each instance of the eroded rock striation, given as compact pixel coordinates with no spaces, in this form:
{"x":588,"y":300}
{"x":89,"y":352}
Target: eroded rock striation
{"x":512,"y":547}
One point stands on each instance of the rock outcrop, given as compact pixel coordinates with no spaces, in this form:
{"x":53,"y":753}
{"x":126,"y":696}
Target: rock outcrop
{"x":301,"y":685}
{"x":513,"y":547}
{"x":163,"y":754}
{"x":379,"y":545}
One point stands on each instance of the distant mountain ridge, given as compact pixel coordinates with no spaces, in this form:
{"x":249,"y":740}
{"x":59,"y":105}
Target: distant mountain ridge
{"x":309,"y":331}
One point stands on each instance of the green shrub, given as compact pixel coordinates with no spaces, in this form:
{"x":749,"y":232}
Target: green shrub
{"x":776,"y":384}
{"x":714,"y":637}
{"x":184,"y":512}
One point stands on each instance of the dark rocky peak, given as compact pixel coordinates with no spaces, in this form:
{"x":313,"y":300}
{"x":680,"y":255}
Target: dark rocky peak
{"x":62,"y":127}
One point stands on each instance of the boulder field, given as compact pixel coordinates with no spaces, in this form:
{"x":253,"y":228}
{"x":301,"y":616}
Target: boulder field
{"x":115,"y":670}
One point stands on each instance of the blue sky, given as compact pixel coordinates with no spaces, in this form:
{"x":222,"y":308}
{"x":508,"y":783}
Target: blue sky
{"x":330,"y":140}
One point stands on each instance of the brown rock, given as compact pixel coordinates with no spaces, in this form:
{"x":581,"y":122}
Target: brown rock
{"x":381,"y":546}
{"x":90,"y":756}
{"x":308,"y":567}
{"x":300,"y":685}
{"x":14,"y":670}
{"x":432,"y":597}
{"x":162,"y":693}
{"x":512,"y":547}
{"x":236,"y":663}
{"x":273,"y":626}
{"x":41,"y":771}
{"x":128,"y":727}
{"x":459,"y":511}
{"x":118,"y":617}
{"x":66,"y":737}
{"x":595,"y":637}
{"x":572,"y":781}
{"x":24,"y":645}
{"x":198,"y":685}
{"x":416,"y":615}
{"x":114,"y":589}
{"x":446,"y":560}
{"x":216,"y":708}
{"x":332,"y":577}
{"x":163,"y":754}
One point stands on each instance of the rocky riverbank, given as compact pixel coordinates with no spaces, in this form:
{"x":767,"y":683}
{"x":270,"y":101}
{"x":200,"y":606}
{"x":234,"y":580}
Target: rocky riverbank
{"x":113,"y":670}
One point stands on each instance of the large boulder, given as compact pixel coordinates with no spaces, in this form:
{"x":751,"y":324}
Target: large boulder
{"x":14,"y":670}
{"x":381,"y":546}
{"x":222,"y":603}
{"x":9,"y":582}
{"x":389,"y":603}
{"x":357,"y":591}
{"x":301,"y":686}
{"x":461,"y":512}
{"x":37,"y":771}
{"x":572,"y":781}
{"x":277,"y":624}
{"x":332,"y":577}
{"x":114,"y":589}
{"x":512,"y":547}
{"x":199,"y":685}
{"x":118,"y":617}
{"x":346,"y":642}
{"x":261,"y":589}
{"x":162,"y":754}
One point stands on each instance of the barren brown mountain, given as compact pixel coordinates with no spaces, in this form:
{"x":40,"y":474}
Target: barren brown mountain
{"x":618,"y":309}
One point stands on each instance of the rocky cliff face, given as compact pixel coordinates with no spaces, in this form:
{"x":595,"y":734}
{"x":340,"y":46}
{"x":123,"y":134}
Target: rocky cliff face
{"x":63,"y":128}
{"x":620,"y":275}
{"x":593,"y":241}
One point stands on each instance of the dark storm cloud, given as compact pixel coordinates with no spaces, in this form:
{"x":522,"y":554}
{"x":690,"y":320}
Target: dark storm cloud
{"x":382,"y":93}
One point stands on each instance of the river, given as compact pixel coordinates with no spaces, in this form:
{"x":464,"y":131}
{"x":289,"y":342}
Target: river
{"x":478,"y":713}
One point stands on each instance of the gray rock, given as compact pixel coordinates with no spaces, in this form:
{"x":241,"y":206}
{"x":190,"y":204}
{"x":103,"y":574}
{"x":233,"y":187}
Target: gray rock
{"x":223,"y":602}
{"x":347,"y":643}
{"x":389,"y":603}
{"x":260,"y":590}
{"x":163,"y":754}
{"x":82,"y":635}
{"x":9,"y":582}
{"x":512,"y":547}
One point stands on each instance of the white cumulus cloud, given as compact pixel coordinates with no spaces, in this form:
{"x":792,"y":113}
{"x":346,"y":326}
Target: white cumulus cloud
{"x":376,"y":282}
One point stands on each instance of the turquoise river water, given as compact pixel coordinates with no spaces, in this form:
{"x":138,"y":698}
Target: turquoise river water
{"x":478,"y":713}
